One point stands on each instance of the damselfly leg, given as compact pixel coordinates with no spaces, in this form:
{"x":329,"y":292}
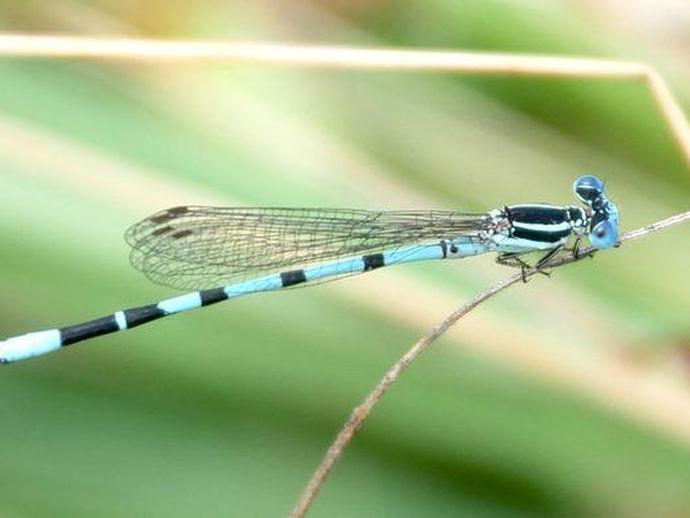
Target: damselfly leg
{"x":516,"y":260}
{"x":576,"y":249}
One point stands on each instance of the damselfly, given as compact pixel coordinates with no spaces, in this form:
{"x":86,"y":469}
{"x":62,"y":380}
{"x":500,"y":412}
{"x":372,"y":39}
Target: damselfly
{"x":229,"y":252}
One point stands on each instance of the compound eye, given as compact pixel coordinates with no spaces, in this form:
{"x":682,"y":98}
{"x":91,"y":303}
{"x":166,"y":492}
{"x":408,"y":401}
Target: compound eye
{"x":588,"y":188}
{"x":603,"y":235}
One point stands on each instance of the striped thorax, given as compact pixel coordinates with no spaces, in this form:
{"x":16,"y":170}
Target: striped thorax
{"x":519,"y":228}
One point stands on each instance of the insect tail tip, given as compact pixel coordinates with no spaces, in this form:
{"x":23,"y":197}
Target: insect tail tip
{"x":3,"y":360}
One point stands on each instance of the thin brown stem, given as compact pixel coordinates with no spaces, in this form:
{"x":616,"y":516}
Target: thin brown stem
{"x":360,"y":413}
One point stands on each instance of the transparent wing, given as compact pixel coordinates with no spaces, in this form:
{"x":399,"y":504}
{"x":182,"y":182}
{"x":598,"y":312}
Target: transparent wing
{"x":200,"y":247}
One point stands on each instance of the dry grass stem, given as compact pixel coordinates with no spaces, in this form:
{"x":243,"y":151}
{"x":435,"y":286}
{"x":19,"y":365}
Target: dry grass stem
{"x":360,"y":413}
{"x":311,"y":55}
{"x":78,"y":47}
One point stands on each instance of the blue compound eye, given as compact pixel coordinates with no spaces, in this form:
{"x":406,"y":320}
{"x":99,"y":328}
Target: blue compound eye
{"x":588,"y":188}
{"x":604,"y":234}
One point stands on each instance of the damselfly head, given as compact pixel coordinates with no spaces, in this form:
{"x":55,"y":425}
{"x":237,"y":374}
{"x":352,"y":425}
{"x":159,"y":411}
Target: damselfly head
{"x":603,"y":230}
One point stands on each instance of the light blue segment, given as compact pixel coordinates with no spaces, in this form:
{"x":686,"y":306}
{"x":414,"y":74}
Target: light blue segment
{"x":29,"y":345}
{"x":351,"y":265}
{"x":181,"y":303}
{"x":465,"y":247}
{"x":413,"y":253}
{"x":266,"y":283}
{"x":121,"y":320}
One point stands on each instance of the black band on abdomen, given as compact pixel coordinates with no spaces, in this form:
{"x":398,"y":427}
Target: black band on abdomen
{"x":137,"y":316}
{"x":97,"y":327}
{"x":292,"y":277}
{"x":373,"y":261}
{"x":212,"y":296}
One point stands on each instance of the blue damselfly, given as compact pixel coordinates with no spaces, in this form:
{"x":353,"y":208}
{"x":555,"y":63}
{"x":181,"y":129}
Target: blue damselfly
{"x":229,"y":252}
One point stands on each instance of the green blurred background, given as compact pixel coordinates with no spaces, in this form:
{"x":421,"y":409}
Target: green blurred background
{"x":565,"y":396}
